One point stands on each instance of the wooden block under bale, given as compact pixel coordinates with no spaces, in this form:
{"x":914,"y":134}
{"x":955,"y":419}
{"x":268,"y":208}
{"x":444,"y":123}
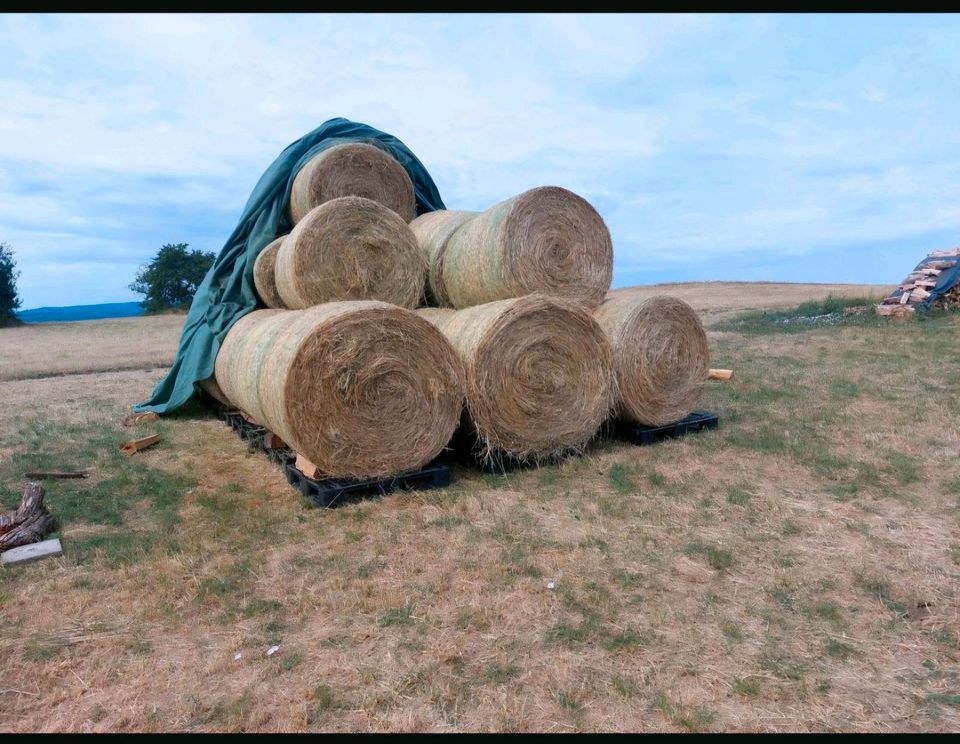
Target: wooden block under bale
{"x":306,"y":467}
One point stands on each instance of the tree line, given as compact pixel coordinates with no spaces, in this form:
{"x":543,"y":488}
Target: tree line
{"x":168,"y":282}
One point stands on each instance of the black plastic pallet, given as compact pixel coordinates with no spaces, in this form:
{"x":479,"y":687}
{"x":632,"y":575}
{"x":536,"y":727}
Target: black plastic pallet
{"x":331,"y":493}
{"x":642,"y":435}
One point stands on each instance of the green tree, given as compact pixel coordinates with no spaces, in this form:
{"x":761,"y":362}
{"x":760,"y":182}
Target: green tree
{"x":9,"y":299}
{"x":171,"y":278}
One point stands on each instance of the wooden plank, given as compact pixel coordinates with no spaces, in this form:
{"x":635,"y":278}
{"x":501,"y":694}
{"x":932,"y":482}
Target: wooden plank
{"x":920,"y":294}
{"x":930,"y":272}
{"x":720,"y":374}
{"x":57,"y":474}
{"x":904,"y":298}
{"x":135,"y":445}
{"x":926,"y":284}
{"x":30,"y":553}
{"x":307,"y":468}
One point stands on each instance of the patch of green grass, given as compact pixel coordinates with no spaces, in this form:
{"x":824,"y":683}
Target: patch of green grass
{"x":115,"y":549}
{"x":731,"y":630}
{"x":624,"y":687}
{"x":40,"y":652}
{"x":495,"y":480}
{"x":827,"y":609}
{"x":738,"y":496}
{"x":781,"y":664}
{"x":790,"y":528}
{"x":844,"y":389}
{"x":499,"y":674}
{"x":260,"y":606}
{"x":568,"y":700}
{"x":656,"y":479}
{"x":839,"y":649}
{"x":766,"y":439}
{"x":447,"y":521}
{"x":620,"y":479}
{"x":951,"y":485}
{"x":806,"y":316}
{"x":944,"y":698}
{"x":290,"y":660}
{"x":747,"y":687}
{"x":902,"y":467}
{"x":565,"y":634}
{"x":324,"y":701}
{"x":718,"y":558}
{"x":628,"y":639}
{"x":783,"y":596}
{"x":784,"y":560}
{"x":879,"y":588}
{"x":397,"y":616}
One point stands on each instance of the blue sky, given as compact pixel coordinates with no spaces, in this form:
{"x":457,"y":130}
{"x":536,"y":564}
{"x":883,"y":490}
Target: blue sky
{"x":783,"y":147}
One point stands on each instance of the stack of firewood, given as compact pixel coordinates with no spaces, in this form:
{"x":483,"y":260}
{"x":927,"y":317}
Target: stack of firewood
{"x":915,"y":288}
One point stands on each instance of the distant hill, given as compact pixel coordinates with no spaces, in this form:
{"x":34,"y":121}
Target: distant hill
{"x":81,"y":312}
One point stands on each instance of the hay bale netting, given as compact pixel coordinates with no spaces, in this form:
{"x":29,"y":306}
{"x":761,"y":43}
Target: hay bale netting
{"x":660,"y":355}
{"x":432,"y":231}
{"x":264,"y":278}
{"x":350,"y":248}
{"x":352,"y":169}
{"x":362,"y":389}
{"x":547,"y":240}
{"x":538,"y":371}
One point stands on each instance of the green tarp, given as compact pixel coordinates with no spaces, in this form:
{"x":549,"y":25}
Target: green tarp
{"x":227,"y":292}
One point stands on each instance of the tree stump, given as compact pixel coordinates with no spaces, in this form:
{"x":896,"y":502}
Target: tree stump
{"x":29,"y":522}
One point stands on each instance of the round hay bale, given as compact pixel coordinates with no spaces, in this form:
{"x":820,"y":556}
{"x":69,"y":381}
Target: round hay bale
{"x":350,"y":248}
{"x":263,"y":275}
{"x":211,"y":387}
{"x":362,"y":389}
{"x":227,"y":372}
{"x":352,"y":169}
{"x":660,"y":356}
{"x":432,"y":231}
{"x":546,"y":240}
{"x":538,"y":371}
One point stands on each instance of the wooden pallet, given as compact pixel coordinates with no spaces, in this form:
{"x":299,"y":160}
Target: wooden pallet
{"x":330,"y":492}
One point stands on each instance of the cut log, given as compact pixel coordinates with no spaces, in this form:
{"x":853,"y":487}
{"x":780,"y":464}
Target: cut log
{"x":57,"y":474}
{"x":720,"y":374}
{"x":135,"y":445}
{"x":28,"y":522}
{"x":33,"y":552}
{"x":920,"y":294}
{"x":904,"y":298}
{"x":135,"y":419}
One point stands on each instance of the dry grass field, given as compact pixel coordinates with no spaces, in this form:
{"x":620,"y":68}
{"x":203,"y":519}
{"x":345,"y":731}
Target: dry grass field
{"x":796,"y":570}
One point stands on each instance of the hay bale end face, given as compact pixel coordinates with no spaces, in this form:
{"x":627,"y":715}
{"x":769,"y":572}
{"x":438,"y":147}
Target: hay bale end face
{"x":350,"y":248}
{"x":352,"y":169}
{"x":547,"y":240}
{"x":538,"y":371}
{"x":361,"y":389}
{"x":660,"y":355}
{"x":264,"y":278}
{"x":432,"y":231}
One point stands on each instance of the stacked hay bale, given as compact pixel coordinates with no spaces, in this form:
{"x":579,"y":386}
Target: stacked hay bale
{"x":521,"y":339}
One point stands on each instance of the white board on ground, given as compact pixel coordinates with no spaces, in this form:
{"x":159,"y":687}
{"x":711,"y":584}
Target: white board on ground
{"x":32,"y":552}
